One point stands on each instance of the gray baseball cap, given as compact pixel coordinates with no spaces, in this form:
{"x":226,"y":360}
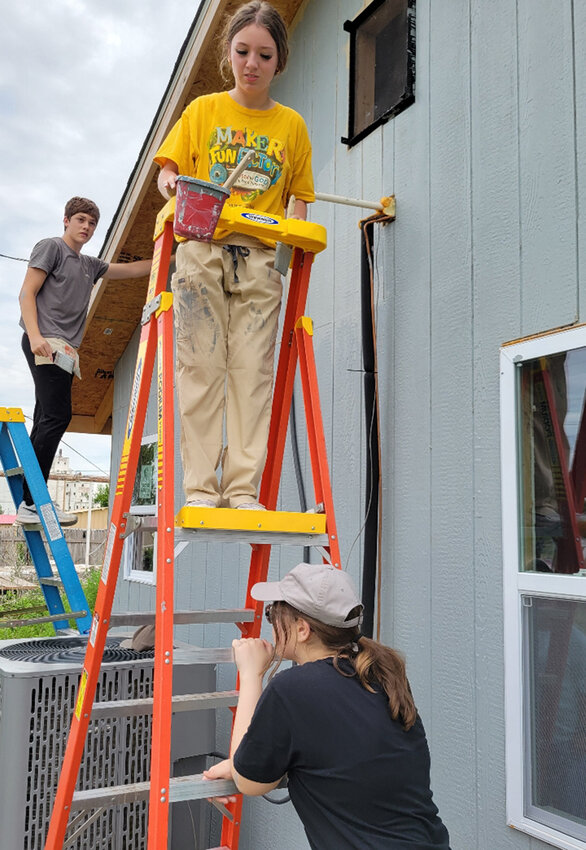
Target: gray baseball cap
{"x":318,"y":590}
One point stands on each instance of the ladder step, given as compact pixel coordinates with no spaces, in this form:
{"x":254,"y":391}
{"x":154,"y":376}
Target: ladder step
{"x":274,"y":538}
{"x":228,"y":615}
{"x":227,"y":525}
{"x":180,"y":788}
{"x":230,"y":519}
{"x":50,"y":581}
{"x":50,"y":618}
{"x":16,"y":470}
{"x":180,"y":702}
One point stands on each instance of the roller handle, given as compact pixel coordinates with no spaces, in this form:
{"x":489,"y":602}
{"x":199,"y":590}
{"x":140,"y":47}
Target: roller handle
{"x":238,"y":170}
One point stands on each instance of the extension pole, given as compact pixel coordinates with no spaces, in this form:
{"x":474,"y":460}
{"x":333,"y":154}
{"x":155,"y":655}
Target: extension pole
{"x":385,"y":205}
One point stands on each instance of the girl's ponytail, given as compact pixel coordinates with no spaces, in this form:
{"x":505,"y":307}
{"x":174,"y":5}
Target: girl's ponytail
{"x":378,"y":666}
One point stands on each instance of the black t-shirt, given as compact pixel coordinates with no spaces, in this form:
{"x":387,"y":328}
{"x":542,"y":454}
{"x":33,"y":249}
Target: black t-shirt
{"x":357,"y":780}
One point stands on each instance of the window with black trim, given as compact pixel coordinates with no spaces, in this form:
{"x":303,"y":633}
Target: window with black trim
{"x":382,"y":65}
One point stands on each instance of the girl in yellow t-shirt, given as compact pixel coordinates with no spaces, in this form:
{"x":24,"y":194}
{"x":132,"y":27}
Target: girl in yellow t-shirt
{"x":227,"y":293}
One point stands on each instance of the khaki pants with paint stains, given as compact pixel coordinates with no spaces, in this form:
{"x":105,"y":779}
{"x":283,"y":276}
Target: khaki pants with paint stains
{"x":226,"y":302}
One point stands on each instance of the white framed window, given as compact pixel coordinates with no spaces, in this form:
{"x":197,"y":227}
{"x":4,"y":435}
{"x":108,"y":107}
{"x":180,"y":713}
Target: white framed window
{"x":543,"y":470}
{"x":140,"y":547}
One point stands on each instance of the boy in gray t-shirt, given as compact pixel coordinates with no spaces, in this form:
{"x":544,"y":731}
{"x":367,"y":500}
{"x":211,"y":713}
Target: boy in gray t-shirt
{"x":53,"y":300}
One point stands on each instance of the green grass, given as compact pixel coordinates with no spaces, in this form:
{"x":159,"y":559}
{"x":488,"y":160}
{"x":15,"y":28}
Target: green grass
{"x":15,"y":602}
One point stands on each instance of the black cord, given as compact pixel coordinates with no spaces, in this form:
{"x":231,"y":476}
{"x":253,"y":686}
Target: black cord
{"x":277,"y":801}
{"x":298,"y":470}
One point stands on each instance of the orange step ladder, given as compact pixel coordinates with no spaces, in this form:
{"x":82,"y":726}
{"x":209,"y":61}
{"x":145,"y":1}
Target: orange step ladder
{"x":260,"y":529}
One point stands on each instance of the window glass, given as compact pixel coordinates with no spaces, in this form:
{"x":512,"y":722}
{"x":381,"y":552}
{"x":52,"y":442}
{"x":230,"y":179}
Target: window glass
{"x":140,"y":546}
{"x":143,"y":551}
{"x":555,"y":636}
{"x":145,"y":483}
{"x":553,"y":462}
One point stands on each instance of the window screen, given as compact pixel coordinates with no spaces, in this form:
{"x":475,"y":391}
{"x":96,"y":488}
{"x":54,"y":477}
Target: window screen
{"x":382,"y":65}
{"x":555,"y":637}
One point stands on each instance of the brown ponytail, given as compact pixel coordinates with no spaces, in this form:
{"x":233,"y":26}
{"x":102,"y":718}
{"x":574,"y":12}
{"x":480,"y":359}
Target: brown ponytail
{"x":376,"y":666}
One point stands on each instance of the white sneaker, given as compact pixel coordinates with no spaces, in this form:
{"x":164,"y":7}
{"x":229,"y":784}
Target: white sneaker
{"x":200,"y":503}
{"x":27,"y":515}
{"x":64,"y":517}
{"x":251,"y":506}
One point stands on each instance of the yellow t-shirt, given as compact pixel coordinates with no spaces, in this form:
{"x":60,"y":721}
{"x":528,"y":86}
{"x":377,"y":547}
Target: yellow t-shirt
{"x":214,"y":132}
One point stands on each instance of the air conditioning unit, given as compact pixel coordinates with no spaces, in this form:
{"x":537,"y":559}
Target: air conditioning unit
{"x":38,"y":681}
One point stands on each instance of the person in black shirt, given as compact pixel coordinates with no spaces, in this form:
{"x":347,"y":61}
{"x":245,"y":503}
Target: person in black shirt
{"x":342,"y":724}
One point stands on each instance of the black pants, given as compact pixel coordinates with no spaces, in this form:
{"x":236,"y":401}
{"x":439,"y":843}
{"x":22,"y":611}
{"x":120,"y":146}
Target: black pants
{"x":52,"y":411}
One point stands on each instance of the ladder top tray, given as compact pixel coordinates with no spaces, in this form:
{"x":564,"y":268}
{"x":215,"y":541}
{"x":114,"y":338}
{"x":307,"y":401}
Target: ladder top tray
{"x":306,"y":235}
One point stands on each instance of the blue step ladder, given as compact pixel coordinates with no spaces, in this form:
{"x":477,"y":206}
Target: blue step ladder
{"x":19,"y":462}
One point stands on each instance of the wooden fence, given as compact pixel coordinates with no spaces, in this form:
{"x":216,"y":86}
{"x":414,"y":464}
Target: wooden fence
{"x":14,"y":552}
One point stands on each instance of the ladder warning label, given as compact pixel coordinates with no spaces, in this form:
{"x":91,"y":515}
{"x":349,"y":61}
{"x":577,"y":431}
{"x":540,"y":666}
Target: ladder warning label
{"x":50,"y":517}
{"x":81,"y":693}
{"x":108,"y":553}
{"x":94,"y":631}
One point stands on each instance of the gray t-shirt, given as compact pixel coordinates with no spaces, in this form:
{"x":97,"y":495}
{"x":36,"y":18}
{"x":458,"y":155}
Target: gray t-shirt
{"x":63,"y":298}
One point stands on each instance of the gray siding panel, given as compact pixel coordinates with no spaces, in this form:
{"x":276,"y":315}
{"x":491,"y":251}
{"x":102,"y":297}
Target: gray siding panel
{"x":547,"y":175}
{"x":489,"y":170}
{"x":496,"y":317}
{"x":451,"y":521}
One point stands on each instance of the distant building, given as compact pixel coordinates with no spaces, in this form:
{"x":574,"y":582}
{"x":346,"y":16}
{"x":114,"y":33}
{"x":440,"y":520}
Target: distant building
{"x":70,"y":490}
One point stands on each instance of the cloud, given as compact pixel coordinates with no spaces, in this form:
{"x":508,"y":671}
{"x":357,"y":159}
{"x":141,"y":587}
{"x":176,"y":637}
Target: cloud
{"x":79,"y":86}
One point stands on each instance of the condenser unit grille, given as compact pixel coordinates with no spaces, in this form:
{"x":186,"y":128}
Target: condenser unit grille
{"x":38,"y":689}
{"x":116,"y":752}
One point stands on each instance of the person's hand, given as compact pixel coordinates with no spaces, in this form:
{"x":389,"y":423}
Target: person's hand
{"x":221,"y":770}
{"x":167,"y":182}
{"x":170,"y":183}
{"x":40,"y":346}
{"x":252,"y":656}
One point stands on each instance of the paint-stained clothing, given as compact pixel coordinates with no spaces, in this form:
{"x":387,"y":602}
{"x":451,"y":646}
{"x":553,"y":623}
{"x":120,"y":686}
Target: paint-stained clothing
{"x":214,"y":133}
{"x":357,"y":779}
{"x":226,"y":313}
{"x":227,"y":294}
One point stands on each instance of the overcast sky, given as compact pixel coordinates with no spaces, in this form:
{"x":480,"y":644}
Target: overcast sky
{"x":80,"y":81}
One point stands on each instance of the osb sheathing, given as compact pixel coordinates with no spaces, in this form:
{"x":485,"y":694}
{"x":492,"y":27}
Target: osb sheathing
{"x":117,"y":307}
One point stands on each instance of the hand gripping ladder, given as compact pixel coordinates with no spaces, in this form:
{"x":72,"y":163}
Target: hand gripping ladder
{"x":260,"y":529}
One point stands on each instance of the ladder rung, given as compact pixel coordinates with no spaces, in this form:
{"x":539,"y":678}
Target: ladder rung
{"x":16,"y":470}
{"x":181,"y":702}
{"x":52,"y":581}
{"x":180,"y":788}
{"x":228,"y":615}
{"x":33,"y":621}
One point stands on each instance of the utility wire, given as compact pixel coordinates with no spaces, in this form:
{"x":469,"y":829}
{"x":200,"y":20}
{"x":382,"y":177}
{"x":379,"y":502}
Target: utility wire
{"x":71,"y":448}
{"x":8,"y":257}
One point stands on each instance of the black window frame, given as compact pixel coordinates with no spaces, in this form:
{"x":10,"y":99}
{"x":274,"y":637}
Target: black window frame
{"x":354,"y":27}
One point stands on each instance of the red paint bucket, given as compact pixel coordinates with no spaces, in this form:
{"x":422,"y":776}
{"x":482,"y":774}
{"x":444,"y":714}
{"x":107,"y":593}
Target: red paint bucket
{"x":198,"y":207}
